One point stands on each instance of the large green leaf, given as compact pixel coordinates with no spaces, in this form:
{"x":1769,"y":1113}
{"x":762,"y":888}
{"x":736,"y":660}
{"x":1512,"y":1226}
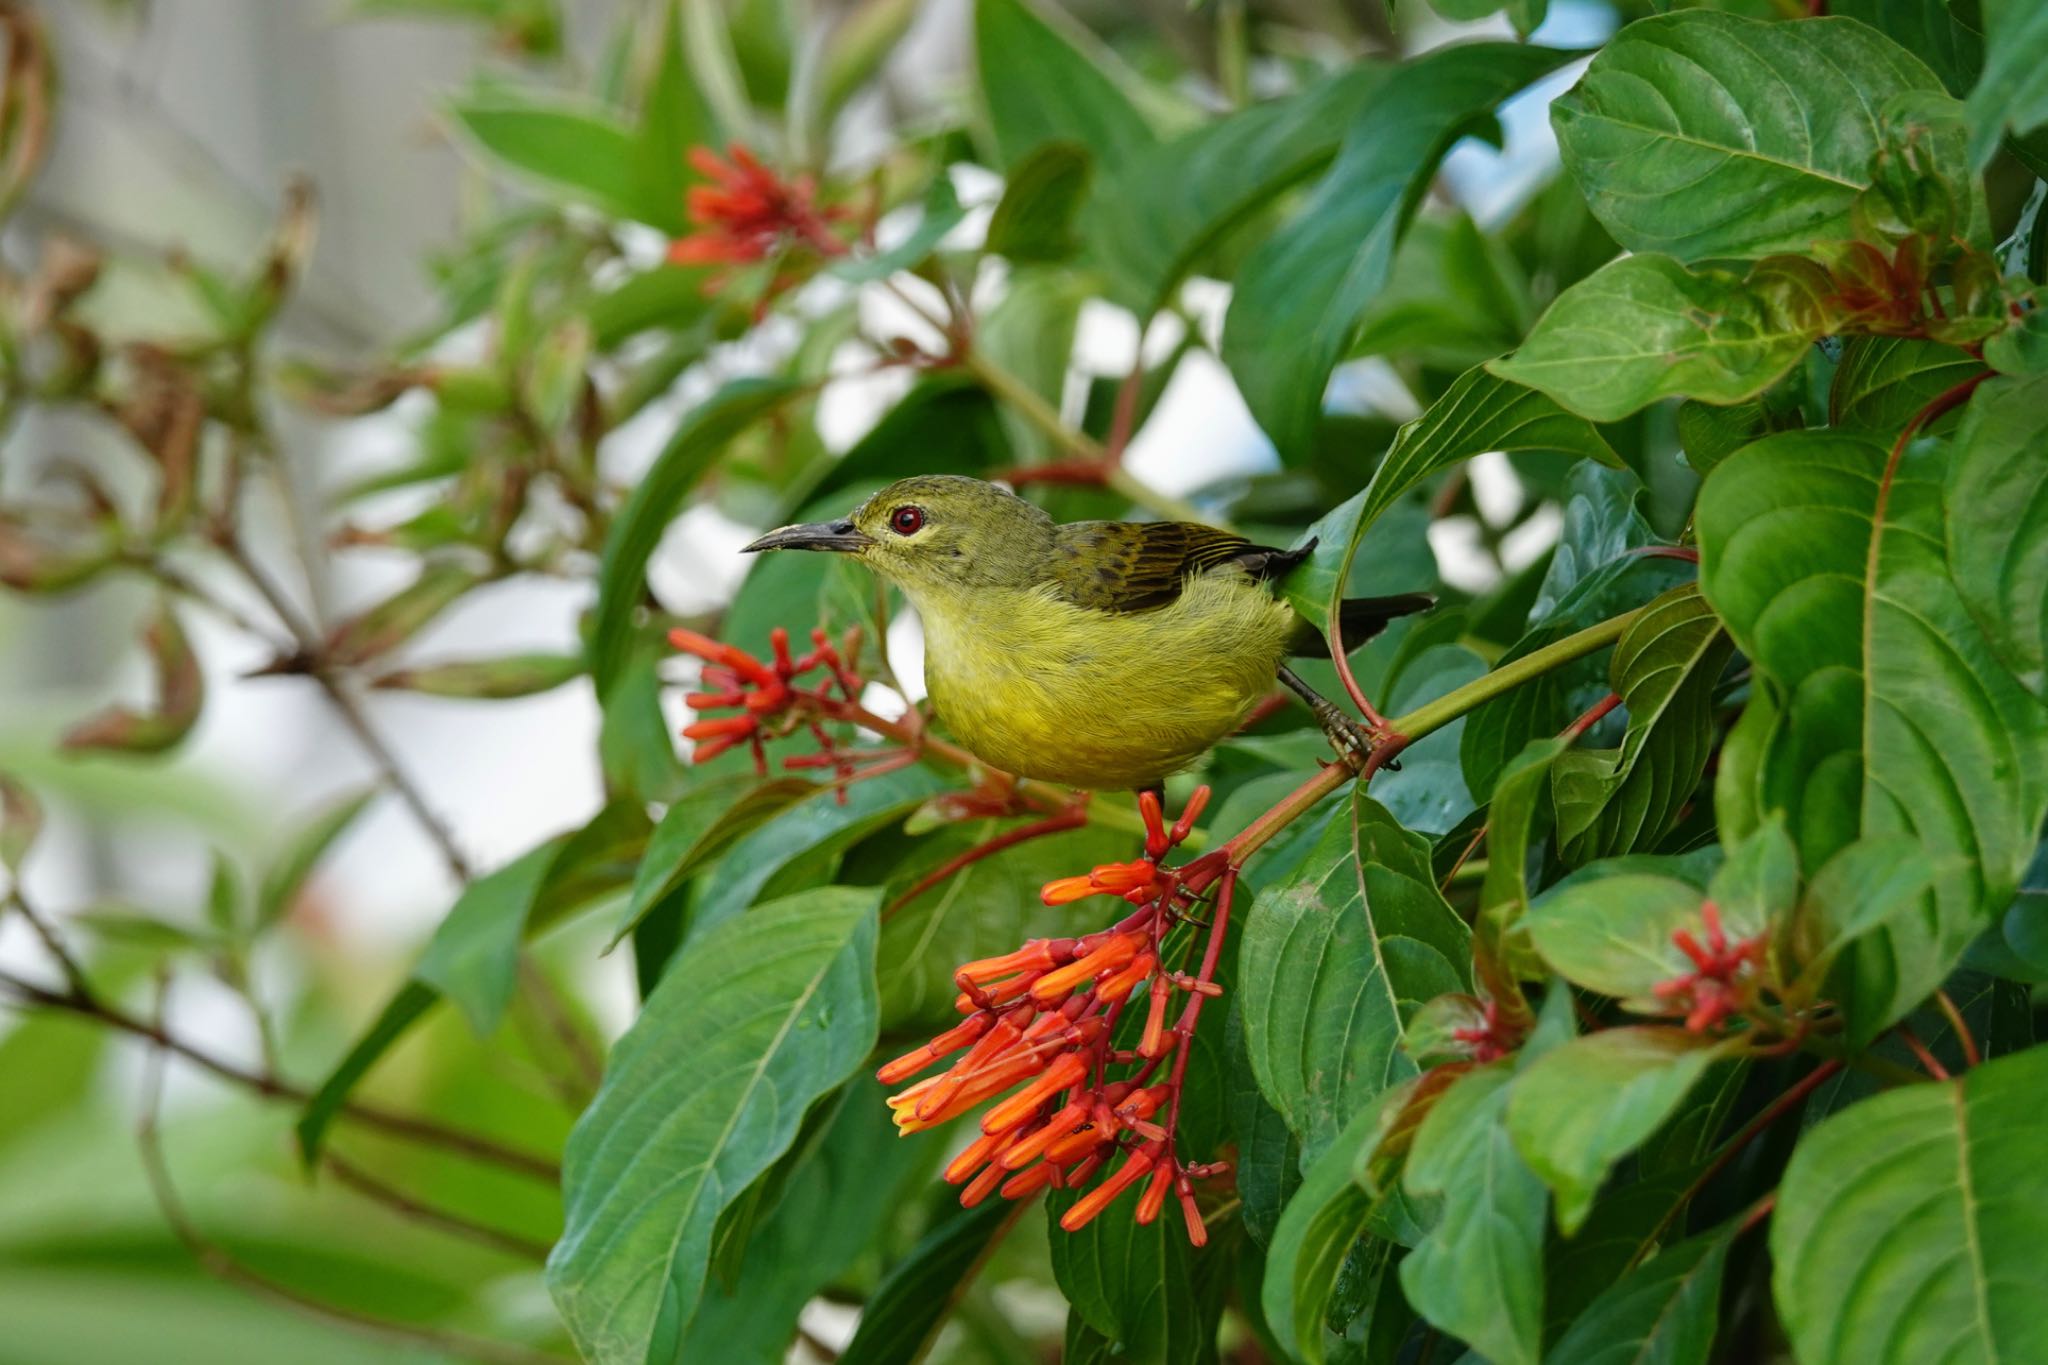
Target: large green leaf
{"x":2012,"y":92}
{"x":656,"y":499}
{"x":1906,"y":1225}
{"x":1315,"y":1237}
{"x":1478,"y":413}
{"x":1645,"y":327}
{"x":801,"y":846}
{"x":301,"y":854}
{"x":1609,"y":929}
{"x":1478,"y":1275}
{"x":757,"y":1018}
{"x":1712,"y":136}
{"x":1300,"y":295}
{"x":1578,"y":1110}
{"x":1998,"y":521}
{"x":1663,"y":1312}
{"x":1665,"y":670}
{"x":1333,"y":962}
{"x":1883,"y":381}
{"x":1890,"y":715}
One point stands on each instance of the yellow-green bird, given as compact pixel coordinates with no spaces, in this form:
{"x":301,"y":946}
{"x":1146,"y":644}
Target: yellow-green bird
{"x":1096,"y":654}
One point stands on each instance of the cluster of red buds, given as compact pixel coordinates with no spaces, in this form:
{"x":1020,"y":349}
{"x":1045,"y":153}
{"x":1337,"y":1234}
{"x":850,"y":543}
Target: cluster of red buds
{"x":747,"y":212}
{"x":769,"y":702}
{"x":1042,"y":1024}
{"x":1722,"y":975}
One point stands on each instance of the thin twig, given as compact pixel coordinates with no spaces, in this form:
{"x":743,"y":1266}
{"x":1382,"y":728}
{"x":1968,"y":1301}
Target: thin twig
{"x":424,"y":1131}
{"x":371,"y":1187}
{"x":1928,"y":1061}
{"x":583,"y":1054}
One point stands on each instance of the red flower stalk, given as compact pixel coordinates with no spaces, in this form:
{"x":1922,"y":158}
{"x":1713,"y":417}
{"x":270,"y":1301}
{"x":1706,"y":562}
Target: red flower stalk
{"x":1722,"y":976}
{"x":771,"y":703}
{"x":1040,"y":1039}
{"x":748,"y":212}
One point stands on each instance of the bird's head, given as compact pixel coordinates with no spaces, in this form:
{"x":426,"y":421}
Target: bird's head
{"x":935,"y":536}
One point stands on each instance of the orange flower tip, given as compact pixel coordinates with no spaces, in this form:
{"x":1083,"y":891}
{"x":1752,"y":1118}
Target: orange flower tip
{"x":1067,"y":890}
{"x":981,"y":1187}
{"x":1156,"y":842}
{"x":1154,"y":1197}
{"x":1190,"y":813}
{"x":1026,"y":1183}
{"x":690,"y":642}
{"x":717,"y":726}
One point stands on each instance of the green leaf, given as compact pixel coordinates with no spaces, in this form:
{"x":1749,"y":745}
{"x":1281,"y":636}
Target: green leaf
{"x":1315,"y":1237}
{"x":1882,"y":381}
{"x":574,"y":151}
{"x":1202,"y":185}
{"x":841,"y":1198}
{"x":1645,"y":327}
{"x":1997,"y":528}
{"x":2012,"y":92}
{"x":1478,"y":1275}
{"x":1299,"y":297}
{"x":1333,"y":961}
{"x":1712,"y":136}
{"x":1268,"y":1164}
{"x":1579,"y":1109}
{"x":985,"y":908}
{"x":1034,"y":220}
{"x":1710,"y":434}
{"x":513,"y":675}
{"x":1515,"y":818}
{"x":907,"y":1309}
{"x":701,"y":824}
{"x":1902,"y":1222}
{"x":658,"y":497}
{"x":1859,"y":889}
{"x":473,"y":958}
{"x":1926,"y":29}
{"x":1612,"y":933}
{"x":384,"y":626}
{"x":1023,"y":55}
{"x":1478,"y":413}
{"x":801,"y":846}
{"x":302,"y":852}
{"x":1665,"y":669}
{"x":758,"y":1018}
{"x":1891,"y":718}
{"x":399,"y":1014}
{"x":1664,"y":1312}
{"x":1140,"y":1286}
{"x":941,"y":213}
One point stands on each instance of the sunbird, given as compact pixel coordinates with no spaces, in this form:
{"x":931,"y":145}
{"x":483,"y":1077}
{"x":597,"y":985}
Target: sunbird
{"x":1095,"y":654}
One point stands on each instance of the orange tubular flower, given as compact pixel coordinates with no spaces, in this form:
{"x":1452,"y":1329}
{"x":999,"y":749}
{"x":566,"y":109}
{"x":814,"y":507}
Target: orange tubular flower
{"x":1040,"y":1040}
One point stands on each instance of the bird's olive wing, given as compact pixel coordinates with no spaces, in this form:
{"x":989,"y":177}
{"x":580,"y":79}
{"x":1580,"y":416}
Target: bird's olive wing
{"x":1139,"y":565}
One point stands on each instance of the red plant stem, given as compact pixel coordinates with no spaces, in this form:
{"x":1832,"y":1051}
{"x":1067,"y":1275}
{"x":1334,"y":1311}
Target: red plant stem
{"x":1793,"y":1097}
{"x":1212,"y":951}
{"x":1971,"y":1055}
{"x":1928,"y":1061}
{"x":1072,"y":818}
{"x":1688,"y":553}
{"x":1085,"y":473}
{"x":1347,"y":677}
{"x":1592,"y":717}
{"x":1124,"y":418}
{"x":1758,"y":1211}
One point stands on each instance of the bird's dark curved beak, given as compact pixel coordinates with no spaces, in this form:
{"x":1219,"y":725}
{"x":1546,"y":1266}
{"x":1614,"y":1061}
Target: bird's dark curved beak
{"x":813,"y":535}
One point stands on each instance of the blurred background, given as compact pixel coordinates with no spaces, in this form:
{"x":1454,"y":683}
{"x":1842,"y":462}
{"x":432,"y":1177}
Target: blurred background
{"x":178,"y":126}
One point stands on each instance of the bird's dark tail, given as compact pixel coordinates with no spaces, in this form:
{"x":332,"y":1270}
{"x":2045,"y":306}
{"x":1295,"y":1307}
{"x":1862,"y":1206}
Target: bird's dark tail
{"x":1361,"y":618}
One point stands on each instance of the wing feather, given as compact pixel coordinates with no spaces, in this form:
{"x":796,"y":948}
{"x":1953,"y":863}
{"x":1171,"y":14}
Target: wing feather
{"x":1142,"y":565}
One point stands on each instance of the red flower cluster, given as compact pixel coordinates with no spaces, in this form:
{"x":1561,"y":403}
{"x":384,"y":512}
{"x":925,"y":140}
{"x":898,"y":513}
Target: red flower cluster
{"x":1721,"y":977}
{"x":1042,"y":1023}
{"x":748,"y":212}
{"x":770,"y":703}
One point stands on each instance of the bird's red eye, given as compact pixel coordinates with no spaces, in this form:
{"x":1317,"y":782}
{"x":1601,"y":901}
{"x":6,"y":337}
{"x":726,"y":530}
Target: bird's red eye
{"x":906,"y":521}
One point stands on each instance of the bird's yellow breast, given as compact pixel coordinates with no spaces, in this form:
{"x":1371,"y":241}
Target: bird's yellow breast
{"x":1040,"y":687}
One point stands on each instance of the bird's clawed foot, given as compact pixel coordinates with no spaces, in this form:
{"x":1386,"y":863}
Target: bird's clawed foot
{"x":1353,"y":742}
